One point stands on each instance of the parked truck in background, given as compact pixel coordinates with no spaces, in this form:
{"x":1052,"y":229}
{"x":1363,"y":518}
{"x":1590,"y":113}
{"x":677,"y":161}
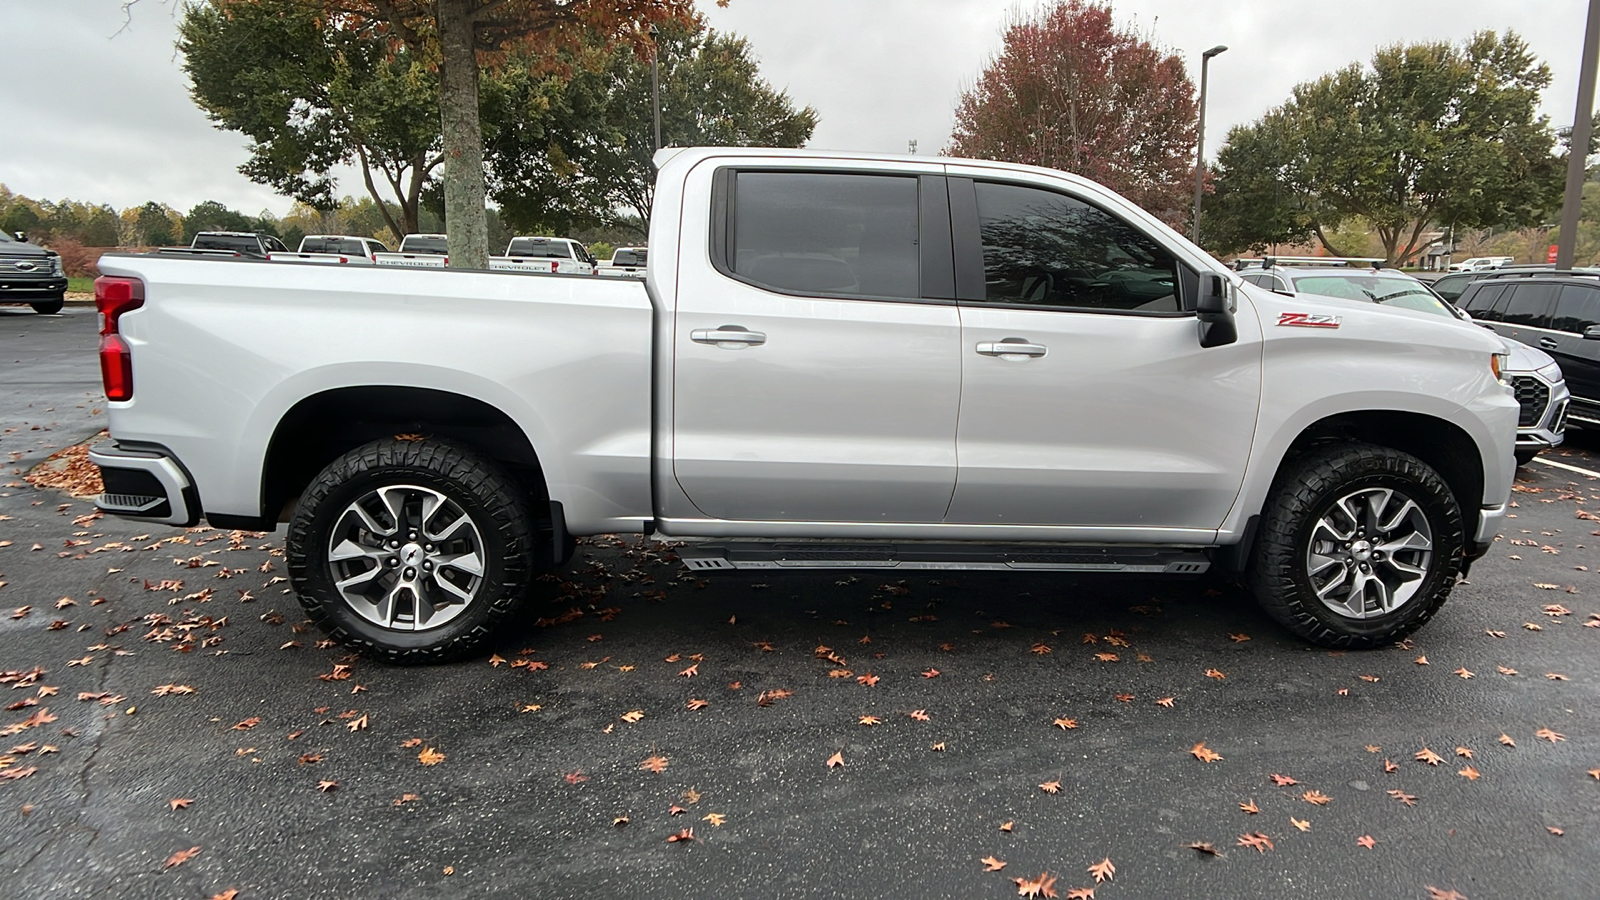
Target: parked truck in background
{"x":625,"y":261}
{"x":782,"y":392}
{"x":31,"y":274}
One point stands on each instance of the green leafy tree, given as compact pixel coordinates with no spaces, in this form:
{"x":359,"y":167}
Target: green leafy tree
{"x":1430,"y":134}
{"x":575,"y":151}
{"x":461,"y":38}
{"x":209,"y":215}
{"x":153,"y":225}
{"x":312,"y":94}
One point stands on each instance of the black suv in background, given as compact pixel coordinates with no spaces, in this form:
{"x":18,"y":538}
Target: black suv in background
{"x":1558,"y":312}
{"x":32,"y":275}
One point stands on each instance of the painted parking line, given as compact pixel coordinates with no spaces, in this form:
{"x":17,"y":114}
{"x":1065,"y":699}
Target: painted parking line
{"x":1561,"y":465}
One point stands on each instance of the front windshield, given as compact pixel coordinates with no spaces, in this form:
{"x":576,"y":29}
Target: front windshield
{"x":1404,"y":293}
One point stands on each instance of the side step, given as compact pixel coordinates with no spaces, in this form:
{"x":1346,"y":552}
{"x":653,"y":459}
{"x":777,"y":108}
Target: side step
{"x":742,"y":554}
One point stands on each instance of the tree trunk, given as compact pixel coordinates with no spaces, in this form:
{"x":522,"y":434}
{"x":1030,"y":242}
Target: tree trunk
{"x":466,"y":225}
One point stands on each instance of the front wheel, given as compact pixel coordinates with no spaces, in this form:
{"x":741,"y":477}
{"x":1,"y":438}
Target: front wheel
{"x":1359,"y":546}
{"x":49,"y":307}
{"x":411,"y":551}
{"x":1526,"y":456}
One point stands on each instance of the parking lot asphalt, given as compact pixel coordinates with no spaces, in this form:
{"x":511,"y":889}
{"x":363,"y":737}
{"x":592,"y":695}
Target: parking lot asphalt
{"x":175,"y":730}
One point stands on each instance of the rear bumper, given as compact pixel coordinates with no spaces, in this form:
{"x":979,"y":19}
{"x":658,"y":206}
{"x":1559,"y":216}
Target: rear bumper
{"x":145,"y":483}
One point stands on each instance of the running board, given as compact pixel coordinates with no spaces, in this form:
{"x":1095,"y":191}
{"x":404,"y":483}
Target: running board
{"x":714,"y":555}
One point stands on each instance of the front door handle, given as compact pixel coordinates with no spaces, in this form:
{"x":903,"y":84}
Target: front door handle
{"x":1549,"y":343}
{"x":1012,"y":347}
{"x":728,"y":337}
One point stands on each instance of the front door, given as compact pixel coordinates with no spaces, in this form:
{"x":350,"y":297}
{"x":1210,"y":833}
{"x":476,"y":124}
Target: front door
{"x":1577,"y":309}
{"x":817,"y":352}
{"x":1087,"y":399}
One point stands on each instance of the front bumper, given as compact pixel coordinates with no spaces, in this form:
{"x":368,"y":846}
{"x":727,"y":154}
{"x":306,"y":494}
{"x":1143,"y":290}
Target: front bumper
{"x":145,"y":483}
{"x":1544,"y":410}
{"x":22,"y":289}
{"x":1490,"y":520}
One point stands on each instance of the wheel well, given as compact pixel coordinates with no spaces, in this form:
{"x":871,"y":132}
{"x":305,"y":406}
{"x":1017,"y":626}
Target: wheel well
{"x":320,"y":428}
{"x":1441,"y":444}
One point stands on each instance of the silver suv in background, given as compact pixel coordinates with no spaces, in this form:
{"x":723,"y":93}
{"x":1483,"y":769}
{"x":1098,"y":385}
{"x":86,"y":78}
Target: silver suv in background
{"x":1534,"y":375}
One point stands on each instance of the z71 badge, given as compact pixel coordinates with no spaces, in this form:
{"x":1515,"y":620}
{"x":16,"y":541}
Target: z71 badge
{"x":1308,"y":320}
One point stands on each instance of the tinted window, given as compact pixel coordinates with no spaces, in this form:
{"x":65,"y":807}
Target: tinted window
{"x":628,"y":258}
{"x":1258,"y":280}
{"x":1450,"y":287}
{"x":349,"y":246}
{"x":826,"y":233}
{"x":538,"y":248}
{"x":1529,"y":304}
{"x":1481,"y":302}
{"x":237,"y":243}
{"x":1046,"y":249}
{"x":424,"y":243}
{"x":1577,"y":309}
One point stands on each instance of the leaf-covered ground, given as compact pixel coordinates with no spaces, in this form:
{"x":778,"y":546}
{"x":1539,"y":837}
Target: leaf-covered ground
{"x":172,"y":729}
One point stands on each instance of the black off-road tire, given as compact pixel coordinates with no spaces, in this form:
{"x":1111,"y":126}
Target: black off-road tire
{"x":495,"y":500}
{"x":49,"y":307}
{"x":1303,"y":492}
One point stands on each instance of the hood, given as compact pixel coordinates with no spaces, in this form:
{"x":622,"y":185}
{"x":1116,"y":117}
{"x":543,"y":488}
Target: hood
{"x":14,"y":249}
{"x":1525,"y":358}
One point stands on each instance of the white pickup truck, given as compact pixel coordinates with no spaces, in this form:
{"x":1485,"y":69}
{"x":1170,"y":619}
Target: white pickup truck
{"x":836,"y":360}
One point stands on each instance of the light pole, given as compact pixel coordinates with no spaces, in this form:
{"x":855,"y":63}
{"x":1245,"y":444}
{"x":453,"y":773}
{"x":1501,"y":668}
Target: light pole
{"x":1200,"y":141}
{"x":1578,"y":155}
{"x":655,"y":83}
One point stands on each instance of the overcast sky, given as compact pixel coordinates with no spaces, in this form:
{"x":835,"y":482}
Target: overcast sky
{"x":90,"y":114}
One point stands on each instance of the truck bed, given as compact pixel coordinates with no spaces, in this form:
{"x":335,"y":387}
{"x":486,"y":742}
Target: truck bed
{"x":568,"y":358}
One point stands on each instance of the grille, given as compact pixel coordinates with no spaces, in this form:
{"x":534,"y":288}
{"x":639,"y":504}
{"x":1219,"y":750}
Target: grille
{"x":1533,"y":395}
{"x":34,"y":266}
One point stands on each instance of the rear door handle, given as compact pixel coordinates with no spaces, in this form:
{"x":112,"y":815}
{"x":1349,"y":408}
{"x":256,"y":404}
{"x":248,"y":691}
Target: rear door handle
{"x":728,"y":337}
{"x":1011,"y":347}
{"x":1549,"y":343}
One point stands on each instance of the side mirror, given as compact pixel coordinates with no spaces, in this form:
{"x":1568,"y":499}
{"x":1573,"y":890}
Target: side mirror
{"x":1592,"y":333}
{"x":1215,"y":313}
{"x":21,"y":236}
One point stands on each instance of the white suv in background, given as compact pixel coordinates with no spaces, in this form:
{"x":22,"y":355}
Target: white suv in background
{"x":1479,"y":263}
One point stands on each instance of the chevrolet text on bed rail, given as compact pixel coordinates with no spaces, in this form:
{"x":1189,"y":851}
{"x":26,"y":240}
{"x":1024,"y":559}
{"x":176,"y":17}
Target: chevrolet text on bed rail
{"x":781,"y":391}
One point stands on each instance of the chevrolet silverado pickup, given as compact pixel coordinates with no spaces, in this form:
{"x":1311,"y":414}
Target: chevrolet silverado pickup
{"x":834,"y":360}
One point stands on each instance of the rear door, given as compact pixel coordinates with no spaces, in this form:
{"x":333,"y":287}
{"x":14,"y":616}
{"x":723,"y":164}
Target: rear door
{"x":1087,"y":400}
{"x":1522,"y":312}
{"x":817,"y":366}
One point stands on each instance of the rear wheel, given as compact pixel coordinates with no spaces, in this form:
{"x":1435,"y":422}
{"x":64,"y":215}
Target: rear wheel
{"x":411,"y":551}
{"x":49,"y":307}
{"x":1359,"y":547}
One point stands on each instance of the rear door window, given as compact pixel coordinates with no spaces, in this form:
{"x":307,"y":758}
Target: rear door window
{"x":826,"y":233}
{"x":1577,"y":309}
{"x":1528,"y":305}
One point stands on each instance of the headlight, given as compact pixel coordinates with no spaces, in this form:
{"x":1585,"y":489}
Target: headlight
{"x":1551,"y":373}
{"x":1498,"y":363}
{"x":56,"y":266}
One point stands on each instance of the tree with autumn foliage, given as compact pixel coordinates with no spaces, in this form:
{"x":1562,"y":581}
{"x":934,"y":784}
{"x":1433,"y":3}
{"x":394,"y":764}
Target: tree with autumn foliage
{"x":464,"y":37}
{"x":1072,"y":90}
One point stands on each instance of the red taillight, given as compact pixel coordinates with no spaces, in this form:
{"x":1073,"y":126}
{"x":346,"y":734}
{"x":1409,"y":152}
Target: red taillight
{"x":555,"y":266}
{"x":113,"y":297}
